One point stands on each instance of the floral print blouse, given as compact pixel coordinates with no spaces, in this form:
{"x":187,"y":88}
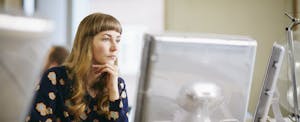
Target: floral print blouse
{"x":51,"y":98}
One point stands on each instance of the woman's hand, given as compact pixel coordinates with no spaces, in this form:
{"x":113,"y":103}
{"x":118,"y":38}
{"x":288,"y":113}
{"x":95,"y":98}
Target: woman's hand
{"x":112,"y":83}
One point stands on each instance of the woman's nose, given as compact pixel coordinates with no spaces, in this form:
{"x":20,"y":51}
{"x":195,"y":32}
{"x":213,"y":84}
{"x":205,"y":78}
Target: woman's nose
{"x":114,"y":46}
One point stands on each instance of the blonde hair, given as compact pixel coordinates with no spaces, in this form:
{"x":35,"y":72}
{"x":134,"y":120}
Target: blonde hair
{"x":79,"y":61}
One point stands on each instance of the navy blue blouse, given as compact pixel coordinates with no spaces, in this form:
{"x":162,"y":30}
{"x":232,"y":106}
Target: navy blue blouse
{"x":53,"y":92}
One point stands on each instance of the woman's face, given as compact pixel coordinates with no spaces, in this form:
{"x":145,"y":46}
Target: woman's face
{"x":106,"y":47}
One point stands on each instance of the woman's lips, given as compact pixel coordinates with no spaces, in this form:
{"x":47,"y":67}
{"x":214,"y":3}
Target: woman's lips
{"x":112,"y":57}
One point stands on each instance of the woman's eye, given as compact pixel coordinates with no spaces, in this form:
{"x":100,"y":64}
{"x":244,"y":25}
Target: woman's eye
{"x":105,"y":39}
{"x":118,"y":40}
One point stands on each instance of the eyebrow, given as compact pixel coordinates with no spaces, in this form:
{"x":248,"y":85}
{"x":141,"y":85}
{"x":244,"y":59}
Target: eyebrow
{"x":111,"y":35}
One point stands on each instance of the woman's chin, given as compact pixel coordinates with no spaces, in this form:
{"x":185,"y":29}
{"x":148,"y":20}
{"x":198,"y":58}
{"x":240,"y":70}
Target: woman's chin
{"x":105,"y":62}
{"x":111,"y":62}
{"x":108,"y":62}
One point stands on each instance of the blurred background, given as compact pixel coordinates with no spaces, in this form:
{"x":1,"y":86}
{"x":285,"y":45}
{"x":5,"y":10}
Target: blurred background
{"x":28,"y":28}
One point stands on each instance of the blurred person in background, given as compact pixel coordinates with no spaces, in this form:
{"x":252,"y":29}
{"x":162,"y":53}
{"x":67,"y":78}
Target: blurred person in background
{"x":56,"y":56}
{"x":87,"y":87}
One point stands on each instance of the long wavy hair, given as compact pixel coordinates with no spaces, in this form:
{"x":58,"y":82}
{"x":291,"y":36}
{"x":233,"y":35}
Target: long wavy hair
{"x":79,"y":62}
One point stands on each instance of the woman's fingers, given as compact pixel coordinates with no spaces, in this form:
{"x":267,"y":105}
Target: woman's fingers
{"x":111,"y":70}
{"x":98,"y":69}
{"x":108,"y":70}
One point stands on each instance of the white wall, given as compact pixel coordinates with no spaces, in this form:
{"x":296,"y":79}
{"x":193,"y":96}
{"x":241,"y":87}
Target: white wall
{"x":149,"y":13}
{"x":145,"y":13}
{"x":56,"y":11}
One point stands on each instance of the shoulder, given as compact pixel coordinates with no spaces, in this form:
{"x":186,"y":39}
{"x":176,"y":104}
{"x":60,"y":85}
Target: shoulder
{"x":122,"y":84}
{"x":121,"y":80}
{"x":57,"y":70}
{"x":54,"y":74}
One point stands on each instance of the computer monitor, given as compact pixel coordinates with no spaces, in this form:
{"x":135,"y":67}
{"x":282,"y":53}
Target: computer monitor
{"x":199,"y":77}
{"x":270,"y":81}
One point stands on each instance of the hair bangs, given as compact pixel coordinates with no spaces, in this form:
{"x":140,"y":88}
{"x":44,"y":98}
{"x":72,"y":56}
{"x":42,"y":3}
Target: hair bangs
{"x":108,"y":23}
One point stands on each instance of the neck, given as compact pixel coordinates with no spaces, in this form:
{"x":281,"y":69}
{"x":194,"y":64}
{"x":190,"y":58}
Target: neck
{"x":90,"y":81}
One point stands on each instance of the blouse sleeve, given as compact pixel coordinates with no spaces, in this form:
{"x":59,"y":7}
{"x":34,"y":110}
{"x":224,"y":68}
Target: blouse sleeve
{"x":44,"y":101}
{"x":118,"y":109}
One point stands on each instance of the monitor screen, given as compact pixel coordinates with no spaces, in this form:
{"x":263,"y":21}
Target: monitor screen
{"x":195,"y":78}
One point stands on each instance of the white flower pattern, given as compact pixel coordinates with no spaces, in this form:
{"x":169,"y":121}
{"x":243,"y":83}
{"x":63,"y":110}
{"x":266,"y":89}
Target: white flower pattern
{"x":123,"y":95}
{"x":114,"y":115}
{"x":41,"y":108}
{"x":52,"y":77}
{"x":51,"y":95}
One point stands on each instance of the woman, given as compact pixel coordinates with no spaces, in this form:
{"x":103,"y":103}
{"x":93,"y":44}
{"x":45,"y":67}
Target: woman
{"x":87,"y":86}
